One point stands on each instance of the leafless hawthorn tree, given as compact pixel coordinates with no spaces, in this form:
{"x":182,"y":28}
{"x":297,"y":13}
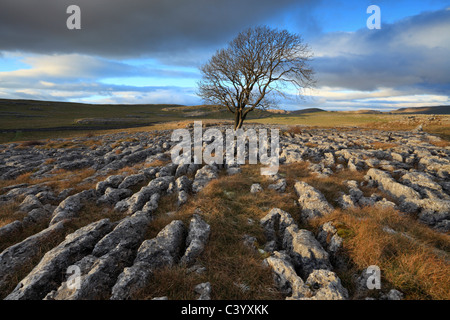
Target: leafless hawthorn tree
{"x":254,"y":69}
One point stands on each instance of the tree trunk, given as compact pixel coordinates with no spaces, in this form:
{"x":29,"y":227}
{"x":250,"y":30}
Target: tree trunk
{"x":238,"y":120}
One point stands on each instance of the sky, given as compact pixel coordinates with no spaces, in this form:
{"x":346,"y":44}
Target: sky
{"x":148,"y":51}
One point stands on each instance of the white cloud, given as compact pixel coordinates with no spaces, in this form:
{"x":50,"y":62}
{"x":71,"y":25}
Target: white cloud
{"x":383,"y":99}
{"x":159,"y":96}
{"x":78,"y":67}
{"x":403,"y":63}
{"x":71,"y":77}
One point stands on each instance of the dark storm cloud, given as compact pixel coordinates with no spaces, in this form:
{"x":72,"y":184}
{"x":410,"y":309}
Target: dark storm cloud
{"x":113,"y":28}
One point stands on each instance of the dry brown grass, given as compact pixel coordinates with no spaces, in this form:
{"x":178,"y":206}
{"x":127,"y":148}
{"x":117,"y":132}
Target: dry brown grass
{"x":59,"y":180}
{"x":291,"y":172}
{"x":30,"y":143}
{"x":65,"y":179}
{"x":50,"y":161}
{"x":133,"y":169}
{"x":156,"y":163}
{"x":383,"y":145}
{"x":440,"y":143}
{"x":128,"y":170}
{"x":70,"y":144}
{"x":311,"y":144}
{"x":66,"y":144}
{"x":330,"y":187}
{"x":9,"y":212}
{"x":294,"y":130}
{"x":439,"y":126}
{"x":167,"y":204}
{"x":174,"y":282}
{"x":115,"y":144}
{"x":23,"y":178}
{"x":91,"y":212}
{"x":22,"y":234}
{"x":92,"y":143}
{"x":418,"y":268}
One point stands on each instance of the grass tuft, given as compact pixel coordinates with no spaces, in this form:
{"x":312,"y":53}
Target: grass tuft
{"x":413,"y":258}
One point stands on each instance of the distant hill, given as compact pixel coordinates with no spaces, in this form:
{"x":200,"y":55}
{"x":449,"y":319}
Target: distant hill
{"x":364,"y":112}
{"x":424,"y":110}
{"x":278,"y":111}
{"x":307,"y":110}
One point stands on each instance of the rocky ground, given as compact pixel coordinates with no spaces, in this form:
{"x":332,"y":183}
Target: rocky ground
{"x":131,"y":173}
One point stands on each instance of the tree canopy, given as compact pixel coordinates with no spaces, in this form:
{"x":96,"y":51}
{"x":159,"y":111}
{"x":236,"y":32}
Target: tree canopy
{"x":254,"y":69}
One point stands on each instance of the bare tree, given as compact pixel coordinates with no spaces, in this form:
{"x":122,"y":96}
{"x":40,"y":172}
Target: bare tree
{"x":254,"y":69}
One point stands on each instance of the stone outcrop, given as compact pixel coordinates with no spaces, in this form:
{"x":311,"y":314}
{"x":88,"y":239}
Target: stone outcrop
{"x":286,"y":279}
{"x":196,"y":240}
{"x":70,"y":207}
{"x":312,"y":202}
{"x":306,"y":252}
{"x":300,"y":265}
{"x":203,"y":177}
{"x":173,"y":244}
{"x":23,"y":253}
{"x":163,"y":250}
{"x":45,"y":277}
